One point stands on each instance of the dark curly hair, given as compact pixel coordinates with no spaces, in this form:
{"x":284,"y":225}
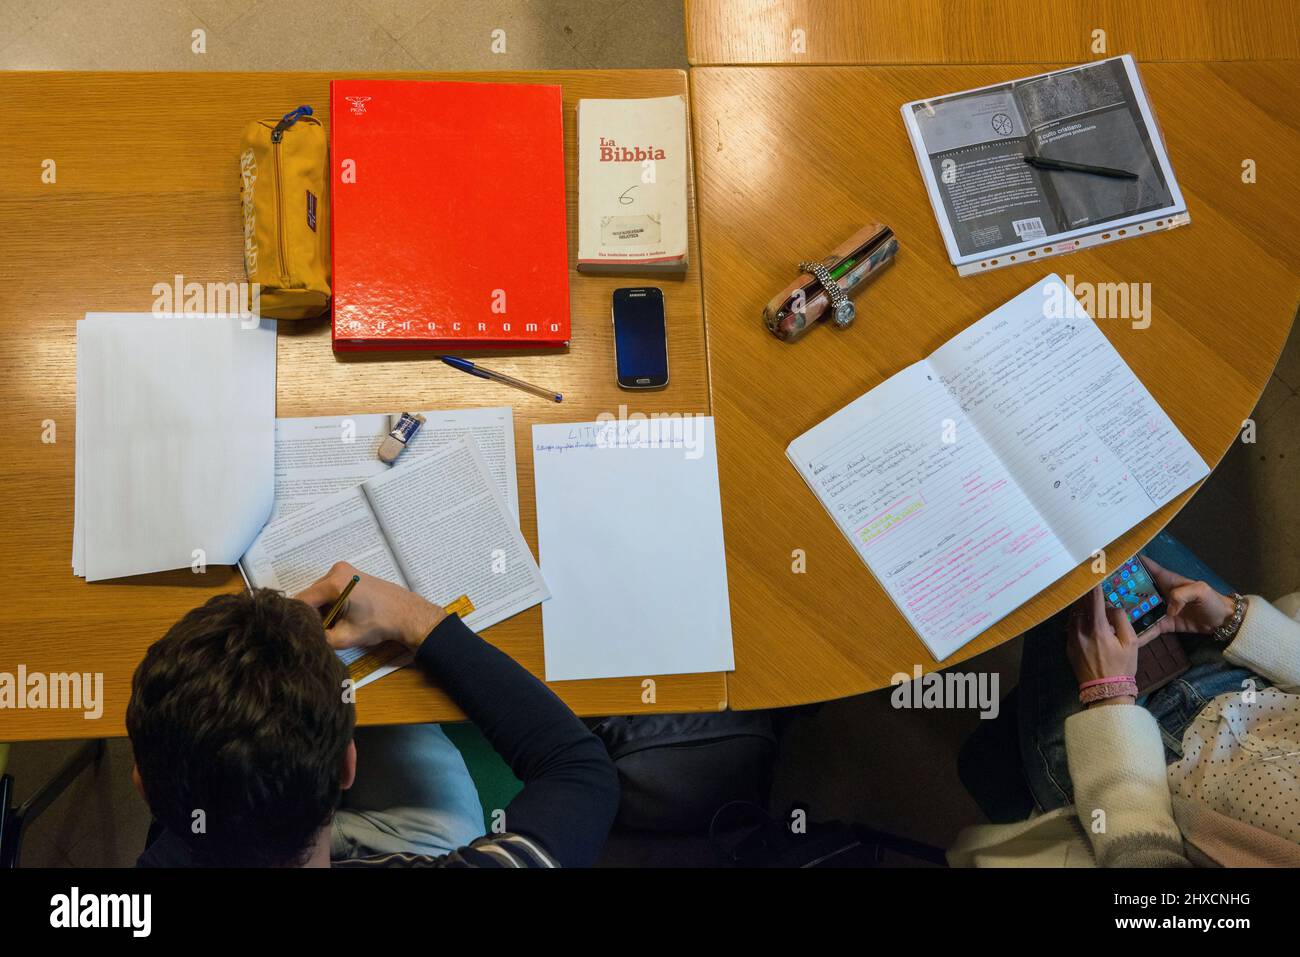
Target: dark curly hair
{"x":239,"y":712}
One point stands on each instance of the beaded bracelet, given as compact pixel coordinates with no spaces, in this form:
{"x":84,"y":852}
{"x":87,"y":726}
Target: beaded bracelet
{"x":1106,"y":681}
{"x":1116,"y":686}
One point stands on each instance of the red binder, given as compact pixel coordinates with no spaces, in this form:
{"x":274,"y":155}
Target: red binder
{"x":448,"y":216}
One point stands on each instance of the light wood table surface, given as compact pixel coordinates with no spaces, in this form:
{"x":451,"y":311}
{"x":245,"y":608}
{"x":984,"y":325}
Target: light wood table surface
{"x":773,"y":191}
{"x":147,"y":187}
{"x":987,"y":31}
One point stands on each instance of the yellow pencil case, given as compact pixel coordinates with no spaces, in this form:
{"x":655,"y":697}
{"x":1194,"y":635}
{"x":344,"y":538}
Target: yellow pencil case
{"x":284,"y":194}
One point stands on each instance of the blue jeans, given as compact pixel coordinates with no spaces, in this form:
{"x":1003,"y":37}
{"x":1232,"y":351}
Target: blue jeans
{"x":412,"y":793}
{"x":1049,"y":692}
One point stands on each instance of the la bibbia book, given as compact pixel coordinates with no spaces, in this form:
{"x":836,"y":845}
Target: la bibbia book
{"x":632,"y":168}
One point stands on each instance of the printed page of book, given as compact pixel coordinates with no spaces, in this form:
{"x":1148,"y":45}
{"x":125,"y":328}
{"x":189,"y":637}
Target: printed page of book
{"x":452,"y":534}
{"x":930,"y":508}
{"x":316,"y":456}
{"x":1085,"y":440}
{"x":492,"y":429}
{"x":296,"y":549}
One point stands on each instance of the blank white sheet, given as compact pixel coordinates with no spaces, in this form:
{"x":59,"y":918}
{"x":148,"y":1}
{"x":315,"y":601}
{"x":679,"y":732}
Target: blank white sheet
{"x":175,"y":441}
{"x":630,"y":541}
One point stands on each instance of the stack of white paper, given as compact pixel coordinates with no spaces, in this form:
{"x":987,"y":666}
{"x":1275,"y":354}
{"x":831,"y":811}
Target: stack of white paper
{"x":175,"y":456}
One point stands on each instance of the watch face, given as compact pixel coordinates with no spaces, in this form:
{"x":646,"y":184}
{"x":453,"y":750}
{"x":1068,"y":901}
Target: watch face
{"x":844,"y":313}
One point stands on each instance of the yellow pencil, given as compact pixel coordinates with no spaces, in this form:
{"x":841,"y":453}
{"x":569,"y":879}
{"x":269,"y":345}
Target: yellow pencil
{"x":342,"y":599}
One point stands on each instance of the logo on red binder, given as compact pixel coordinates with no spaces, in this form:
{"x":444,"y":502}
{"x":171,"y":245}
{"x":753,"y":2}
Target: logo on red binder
{"x":358,"y":104}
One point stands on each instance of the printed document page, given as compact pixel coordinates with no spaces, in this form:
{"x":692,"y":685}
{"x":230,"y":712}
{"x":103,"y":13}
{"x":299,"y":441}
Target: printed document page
{"x":452,"y":535}
{"x":317,"y":456}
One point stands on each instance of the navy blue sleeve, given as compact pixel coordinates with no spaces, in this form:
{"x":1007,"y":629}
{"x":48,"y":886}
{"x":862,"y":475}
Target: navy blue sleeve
{"x":571,"y":790}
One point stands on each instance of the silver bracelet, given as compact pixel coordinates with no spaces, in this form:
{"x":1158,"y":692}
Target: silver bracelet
{"x":842,"y":308}
{"x":1228,"y":630}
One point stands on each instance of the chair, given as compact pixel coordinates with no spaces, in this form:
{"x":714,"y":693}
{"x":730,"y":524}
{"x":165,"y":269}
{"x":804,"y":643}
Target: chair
{"x":14,"y":820}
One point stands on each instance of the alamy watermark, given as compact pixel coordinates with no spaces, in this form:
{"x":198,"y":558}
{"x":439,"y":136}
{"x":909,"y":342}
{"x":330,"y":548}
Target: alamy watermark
{"x":947,"y":690}
{"x":35,"y":690}
{"x":637,"y":430}
{"x":236,"y":300}
{"x":1100,"y":300}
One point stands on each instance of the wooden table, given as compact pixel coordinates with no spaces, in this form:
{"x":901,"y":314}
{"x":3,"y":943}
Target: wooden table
{"x":987,"y":31}
{"x":1224,"y":292}
{"x":147,"y":187}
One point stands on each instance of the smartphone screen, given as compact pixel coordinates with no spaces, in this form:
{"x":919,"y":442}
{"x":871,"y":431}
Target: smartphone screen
{"x":1132,"y":590}
{"x":640,"y":340}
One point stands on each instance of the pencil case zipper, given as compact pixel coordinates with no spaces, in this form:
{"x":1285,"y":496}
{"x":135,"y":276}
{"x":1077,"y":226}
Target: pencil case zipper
{"x":277,"y":134}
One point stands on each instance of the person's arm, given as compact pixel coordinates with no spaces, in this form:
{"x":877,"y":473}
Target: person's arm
{"x":1121,"y":793}
{"x":1116,"y":756}
{"x":571,"y":789}
{"x":1268,"y":643}
{"x":1113,"y":747}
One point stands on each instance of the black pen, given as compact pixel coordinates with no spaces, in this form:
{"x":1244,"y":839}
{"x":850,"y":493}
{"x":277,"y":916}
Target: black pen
{"x":1042,"y":162}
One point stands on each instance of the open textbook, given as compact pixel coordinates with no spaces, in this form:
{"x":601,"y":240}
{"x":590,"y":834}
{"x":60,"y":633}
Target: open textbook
{"x":437,"y":525}
{"x":319,"y":455}
{"x":993,"y":207}
{"x":971,"y":480}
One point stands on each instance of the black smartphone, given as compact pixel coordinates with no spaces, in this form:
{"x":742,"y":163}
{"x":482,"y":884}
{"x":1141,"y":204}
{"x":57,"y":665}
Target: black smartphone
{"x":640,"y":338}
{"x":1133,"y":591}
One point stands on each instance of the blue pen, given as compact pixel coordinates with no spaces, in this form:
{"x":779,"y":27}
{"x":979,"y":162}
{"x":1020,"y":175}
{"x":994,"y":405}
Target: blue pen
{"x":464,"y":365}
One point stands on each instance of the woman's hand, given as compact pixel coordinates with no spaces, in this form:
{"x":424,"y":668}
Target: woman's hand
{"x":376,"y":610}
{"x":1100,"y":642}
{"x":1194,"y":607}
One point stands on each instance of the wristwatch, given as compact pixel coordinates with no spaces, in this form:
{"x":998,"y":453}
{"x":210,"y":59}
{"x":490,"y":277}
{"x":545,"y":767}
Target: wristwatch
{"x":1228,"y":630}
{"x":842,"y":308}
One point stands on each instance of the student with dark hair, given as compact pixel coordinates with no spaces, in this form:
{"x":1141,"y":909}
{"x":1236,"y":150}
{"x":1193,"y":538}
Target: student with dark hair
{"x":242,"y":727}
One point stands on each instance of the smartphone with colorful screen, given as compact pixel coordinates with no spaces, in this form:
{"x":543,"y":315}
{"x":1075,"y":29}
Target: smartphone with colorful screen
{"x":1131,"y":589}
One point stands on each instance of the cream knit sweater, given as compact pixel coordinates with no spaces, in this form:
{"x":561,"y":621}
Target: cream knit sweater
{"x":1124,"y":814}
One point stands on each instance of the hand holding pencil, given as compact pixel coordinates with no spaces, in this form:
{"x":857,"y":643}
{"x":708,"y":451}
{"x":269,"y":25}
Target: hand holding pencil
{"x":360,"y":610}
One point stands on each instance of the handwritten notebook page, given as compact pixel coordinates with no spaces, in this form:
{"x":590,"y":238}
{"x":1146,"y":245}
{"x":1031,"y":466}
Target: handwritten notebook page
{"x":945,"y":477}
{"x":1084,"y":438}
{"x":942,"y":525}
